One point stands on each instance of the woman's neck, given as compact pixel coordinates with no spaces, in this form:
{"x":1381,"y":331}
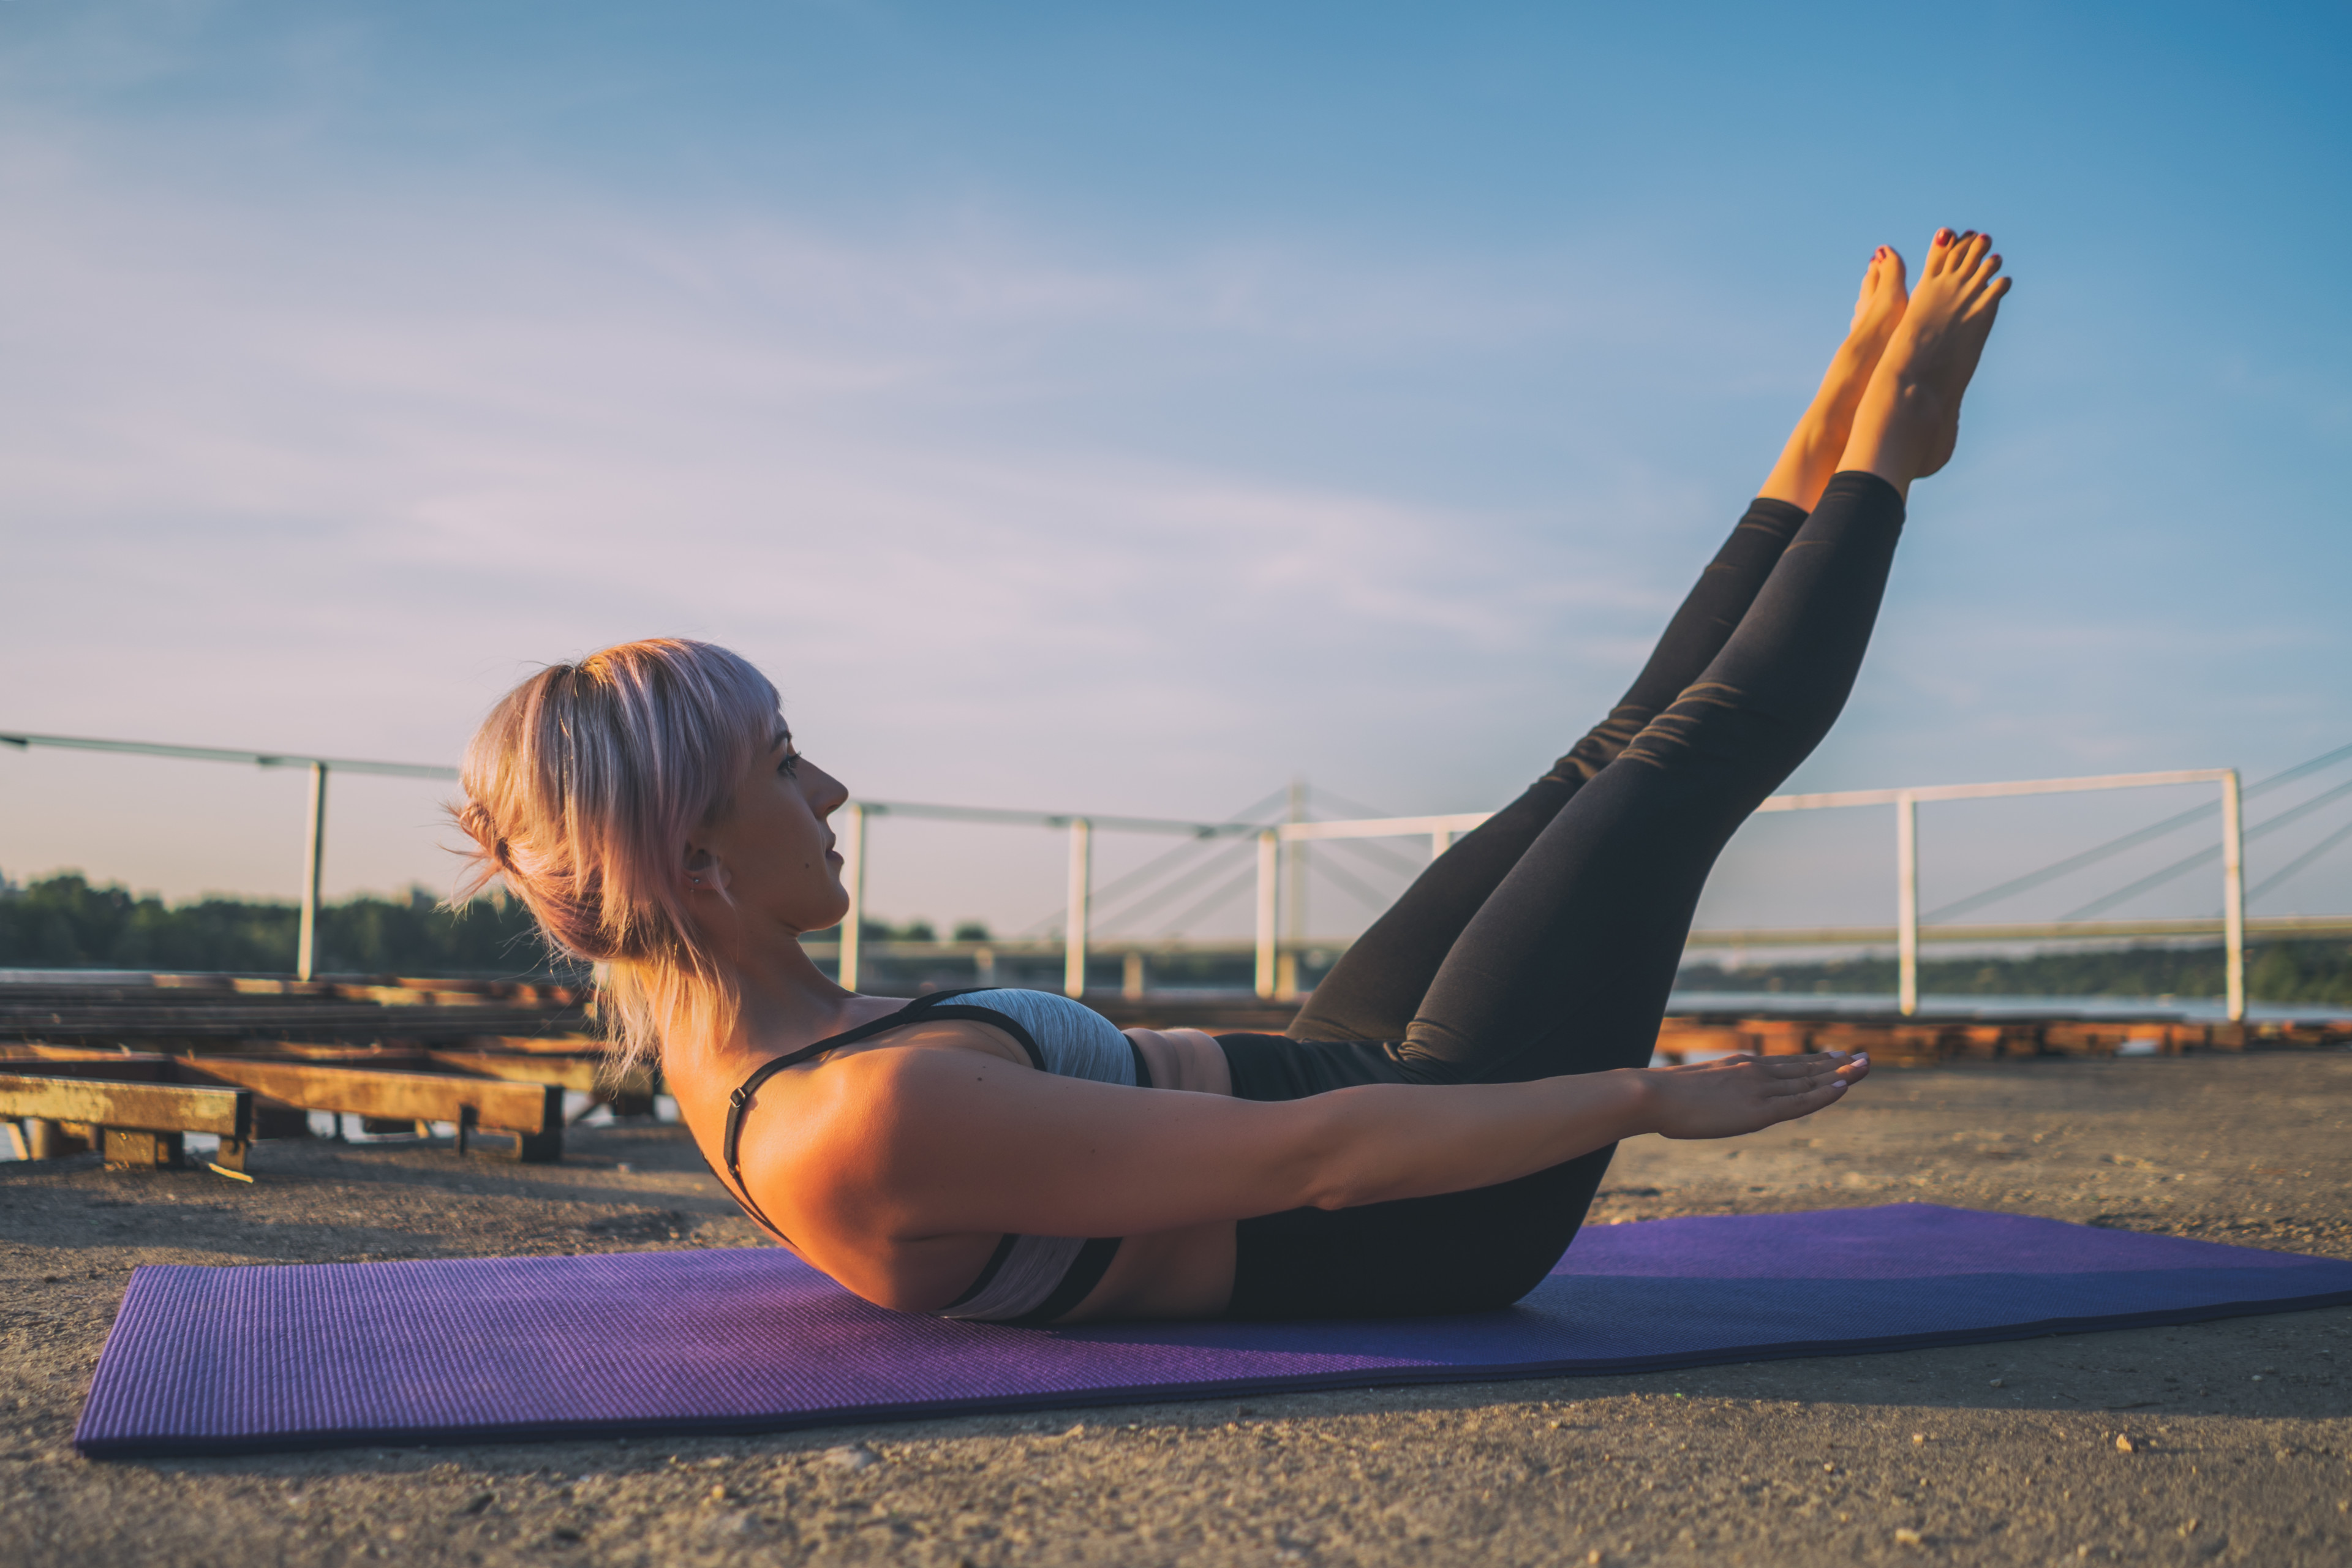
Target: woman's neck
{"x":786,"y":999}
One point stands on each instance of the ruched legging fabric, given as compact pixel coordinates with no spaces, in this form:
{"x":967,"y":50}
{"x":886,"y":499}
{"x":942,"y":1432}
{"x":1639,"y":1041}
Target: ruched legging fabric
{"x":1544,"y":943}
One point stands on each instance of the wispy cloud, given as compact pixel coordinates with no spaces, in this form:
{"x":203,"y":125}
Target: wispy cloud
{"x":363,"y":471}
{"x":326,"y":411}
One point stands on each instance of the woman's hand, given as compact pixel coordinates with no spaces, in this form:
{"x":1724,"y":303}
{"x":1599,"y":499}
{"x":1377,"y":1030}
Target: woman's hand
{"x":1726,"y":1098}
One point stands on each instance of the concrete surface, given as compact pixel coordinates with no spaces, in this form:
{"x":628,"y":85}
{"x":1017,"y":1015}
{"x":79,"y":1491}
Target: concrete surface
{"x":2236,"y":1445}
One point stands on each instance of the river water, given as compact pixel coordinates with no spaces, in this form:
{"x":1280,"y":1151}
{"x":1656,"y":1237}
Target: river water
{"x":2183,"y":1007}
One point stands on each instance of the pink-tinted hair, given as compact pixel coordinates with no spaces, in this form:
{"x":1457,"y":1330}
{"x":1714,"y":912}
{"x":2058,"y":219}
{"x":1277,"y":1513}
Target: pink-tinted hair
{"x":581,"y":789}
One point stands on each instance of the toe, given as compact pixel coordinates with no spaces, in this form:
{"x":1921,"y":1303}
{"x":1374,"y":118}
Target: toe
{"x":1957,"y":254}
{"x":1979,"y":276}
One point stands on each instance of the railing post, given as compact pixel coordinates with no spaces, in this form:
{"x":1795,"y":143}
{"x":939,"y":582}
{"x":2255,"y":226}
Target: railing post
{"x":2233,"y":895}
{"x":1131,"y":984}
{"x":851,"y":841}
{"x":314,"y":857}
{"x":1269,"y":869}
{"x":1294,"y":900}
{"x":1906,"y":894}
{"x":1074,"y":957}
{"x":1440,"y":842}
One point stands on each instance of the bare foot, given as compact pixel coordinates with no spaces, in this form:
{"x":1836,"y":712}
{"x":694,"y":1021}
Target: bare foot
{"x":1820,"y":436}
{"x":1910,"y":415}
{"x":1876,"y":309}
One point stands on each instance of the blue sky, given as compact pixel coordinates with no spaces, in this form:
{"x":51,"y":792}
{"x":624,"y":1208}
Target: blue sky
{"x":1128,"y":408}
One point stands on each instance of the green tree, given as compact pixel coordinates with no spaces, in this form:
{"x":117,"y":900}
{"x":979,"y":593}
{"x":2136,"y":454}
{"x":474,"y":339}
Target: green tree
{"x":63,"y":922}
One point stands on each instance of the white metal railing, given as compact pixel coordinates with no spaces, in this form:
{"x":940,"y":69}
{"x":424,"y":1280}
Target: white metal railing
{"x":1274,"y":961}
{"x":314,"y":840}
{"x":1277,"y":978}
{"x":852,"y":840}
{"x":1905,"y":801}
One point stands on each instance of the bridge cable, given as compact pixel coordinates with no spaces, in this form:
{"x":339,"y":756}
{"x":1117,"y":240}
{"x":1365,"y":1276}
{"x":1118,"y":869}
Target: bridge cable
{"x":2300,"y":861}
{"x":1176,"y":927}
{"x":1387,"y":858}
{"x":1174,"y":888}
{"x":2210,"y":852}
{"x":2129,"y":841}
{"x":1349,"y":884}
{"x":1356,"y":808}
{"x":1160,"y":862}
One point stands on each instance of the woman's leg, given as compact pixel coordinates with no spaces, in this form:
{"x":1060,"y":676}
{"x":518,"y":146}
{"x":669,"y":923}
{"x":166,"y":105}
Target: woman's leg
{"x":1567,"y":967}
{"x":1376,"y":988}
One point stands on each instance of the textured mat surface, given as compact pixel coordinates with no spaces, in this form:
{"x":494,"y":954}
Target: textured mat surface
{"x":213,"y":1361}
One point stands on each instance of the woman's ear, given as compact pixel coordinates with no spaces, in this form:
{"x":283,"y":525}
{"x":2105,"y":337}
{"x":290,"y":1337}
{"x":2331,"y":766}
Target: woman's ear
{"x":705,"y":873}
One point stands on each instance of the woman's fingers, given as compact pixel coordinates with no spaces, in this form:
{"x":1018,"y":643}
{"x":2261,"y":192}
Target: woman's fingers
{"x":1811,"y":1066}
{"x":1799,"y":1091}
{"x":1789,"y":1108}
{"x":1732,"y":1095}
{"x":1808,"y":1083}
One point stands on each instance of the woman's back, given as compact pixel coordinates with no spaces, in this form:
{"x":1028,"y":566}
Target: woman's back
{"x":790,"y":1129}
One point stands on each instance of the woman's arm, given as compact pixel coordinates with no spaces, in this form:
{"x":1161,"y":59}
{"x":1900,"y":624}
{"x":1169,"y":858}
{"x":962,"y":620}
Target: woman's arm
{"x":908,"y":1145}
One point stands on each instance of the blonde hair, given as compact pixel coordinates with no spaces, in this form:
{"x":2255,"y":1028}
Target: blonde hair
{"x":581,"y":789}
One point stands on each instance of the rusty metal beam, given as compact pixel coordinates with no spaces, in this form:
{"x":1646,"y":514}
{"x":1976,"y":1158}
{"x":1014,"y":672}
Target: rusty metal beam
{"x":534,"y":1112}
{"x":38,"y":1052}
{"x":127,"y":1091}
{"x":580,"y":1071}
{"x":112,"y":1066}
{"x":147,"y":1107}
{"x":586,"y":1074}
{"x":534,"y":1044}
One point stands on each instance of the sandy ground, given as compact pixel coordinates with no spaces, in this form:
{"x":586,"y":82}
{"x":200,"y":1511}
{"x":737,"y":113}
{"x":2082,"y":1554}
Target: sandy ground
{"x":2239,"y":1431}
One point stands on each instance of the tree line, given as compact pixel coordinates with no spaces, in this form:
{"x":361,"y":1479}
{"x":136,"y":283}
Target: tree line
{"x":65,"y":921}
{"x":2316,"y":972}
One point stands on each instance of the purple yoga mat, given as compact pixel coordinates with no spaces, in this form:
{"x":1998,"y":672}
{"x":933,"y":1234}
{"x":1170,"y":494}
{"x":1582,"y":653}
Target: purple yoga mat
{"x":214,"y":1361}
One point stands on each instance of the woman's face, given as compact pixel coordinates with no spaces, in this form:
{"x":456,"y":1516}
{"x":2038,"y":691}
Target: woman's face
{"x":771,"y":850}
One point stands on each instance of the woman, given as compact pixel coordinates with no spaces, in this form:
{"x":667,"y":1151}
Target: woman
{"x":1428,"y":1135}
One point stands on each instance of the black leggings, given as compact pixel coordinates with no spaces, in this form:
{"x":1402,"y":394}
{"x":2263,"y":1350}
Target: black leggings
{"x":1546,"y":942}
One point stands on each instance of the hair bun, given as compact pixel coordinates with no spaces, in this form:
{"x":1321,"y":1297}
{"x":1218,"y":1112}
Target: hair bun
{"x":580,"y":787}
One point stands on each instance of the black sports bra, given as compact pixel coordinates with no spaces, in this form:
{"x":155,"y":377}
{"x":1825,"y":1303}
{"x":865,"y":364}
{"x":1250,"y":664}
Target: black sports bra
{"x":1029,"y":1280}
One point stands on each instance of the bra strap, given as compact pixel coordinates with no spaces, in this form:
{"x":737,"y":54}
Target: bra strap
{"x":740,"y":1100}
